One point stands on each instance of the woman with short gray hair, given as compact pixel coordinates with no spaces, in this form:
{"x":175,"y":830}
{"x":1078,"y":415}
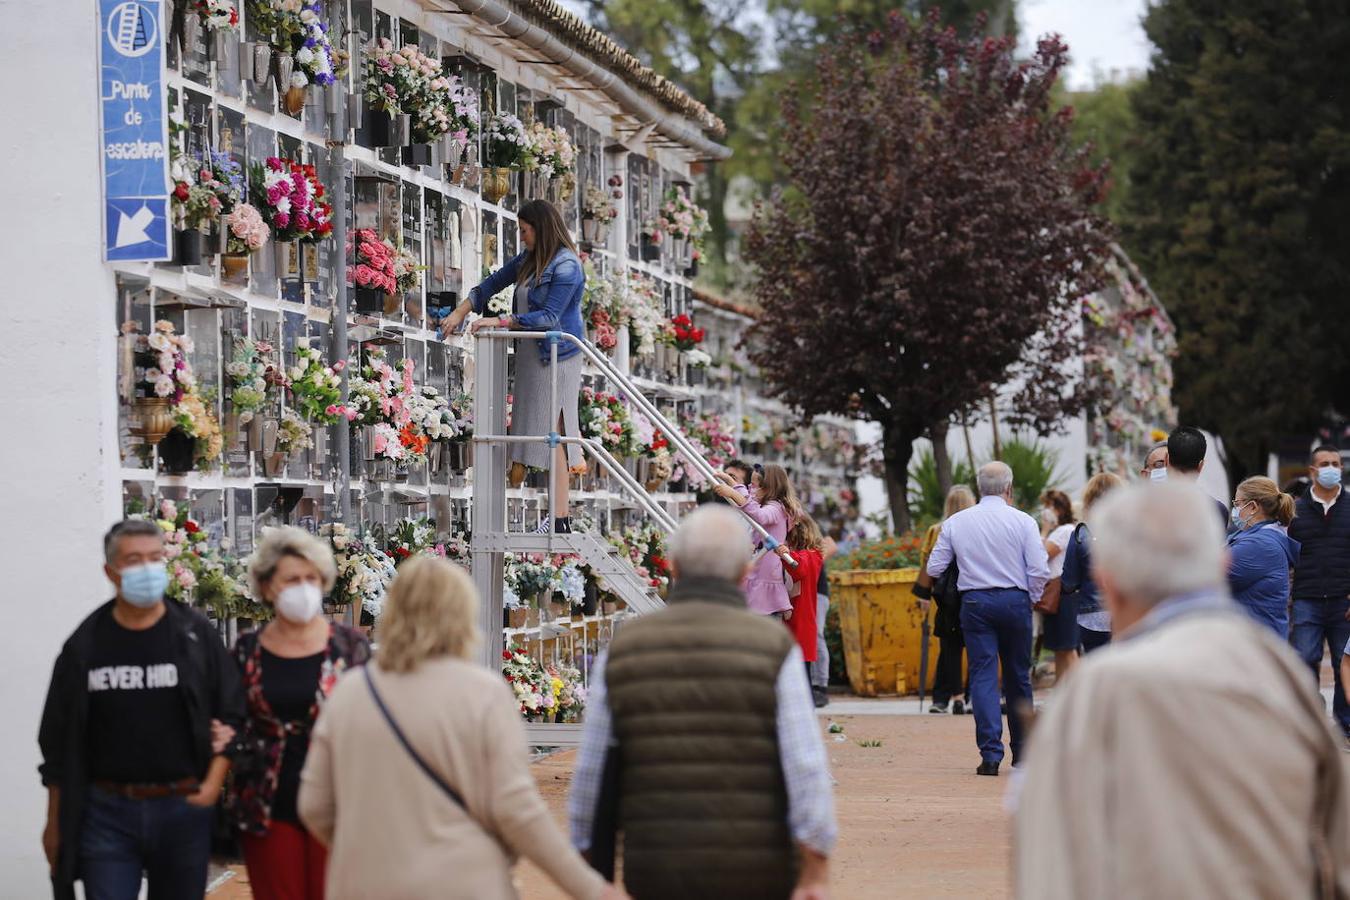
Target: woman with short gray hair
{"x":289,"y":666}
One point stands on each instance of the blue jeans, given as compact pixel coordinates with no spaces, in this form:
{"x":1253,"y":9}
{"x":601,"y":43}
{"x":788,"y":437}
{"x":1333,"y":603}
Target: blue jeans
{"x":167,"y":838}
{"x":1315,"y":622}
{"x":997,"y":626}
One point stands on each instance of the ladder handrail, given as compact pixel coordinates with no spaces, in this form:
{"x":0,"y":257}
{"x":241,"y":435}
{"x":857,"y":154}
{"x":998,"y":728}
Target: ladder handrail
{"x":672,"y":433}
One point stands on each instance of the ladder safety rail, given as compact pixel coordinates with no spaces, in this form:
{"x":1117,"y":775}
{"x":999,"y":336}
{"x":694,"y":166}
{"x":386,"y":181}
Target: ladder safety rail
{"x":645,"y":406}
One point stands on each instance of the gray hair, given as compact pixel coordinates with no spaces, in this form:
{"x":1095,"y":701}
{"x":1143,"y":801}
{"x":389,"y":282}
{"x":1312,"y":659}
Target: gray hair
{"x":287,"y":540}
{"x":1158,"y":541}
{"x":994,"y":479}
{"x":712,"y":542}
{"x":125,"y":529}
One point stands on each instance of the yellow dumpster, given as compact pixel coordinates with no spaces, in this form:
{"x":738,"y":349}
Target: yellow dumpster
{"x":881,"y":627}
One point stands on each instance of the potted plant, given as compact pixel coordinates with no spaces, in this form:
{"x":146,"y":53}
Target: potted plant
{"x":162,"y":378}
{"x":506,"y":147}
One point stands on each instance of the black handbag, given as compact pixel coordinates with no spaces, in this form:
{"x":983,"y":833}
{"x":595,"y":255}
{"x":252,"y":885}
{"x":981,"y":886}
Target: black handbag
{"x":947,"y":599}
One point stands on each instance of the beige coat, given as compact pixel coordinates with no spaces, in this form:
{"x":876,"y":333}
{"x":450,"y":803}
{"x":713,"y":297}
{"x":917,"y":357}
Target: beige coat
{"x":1192,"y":761}
{"x":393,"y":834}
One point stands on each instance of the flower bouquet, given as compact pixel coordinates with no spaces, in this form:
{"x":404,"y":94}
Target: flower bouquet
{"x":364,"y":570}
{"x":645,"y":549}
{"x":550,"y":157}
{"x":569,"y":693}
{"x":598,"y":210}
{"x":532,"y":687}
{"x":409,"y":538}
{"x":314,"y":386}
{"x":711,"y":436}
{"x":250,"y":371}
{"x":405,"y":81}
{"x":201,"y":440}
{"x":372,"y":270}
{"x":683,"y":334}
{"x":604,"y":417}
{"x":647,"y":314}
{"x":246,"y":233}
{"x":216,"y":15}
{"x":302,"y":52}
{"x":290,"y":199}
{"x":685,"y":222}
{"x":506,"y":147}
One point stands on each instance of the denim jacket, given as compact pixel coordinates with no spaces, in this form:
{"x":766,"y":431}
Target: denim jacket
{"x":555,"y":299}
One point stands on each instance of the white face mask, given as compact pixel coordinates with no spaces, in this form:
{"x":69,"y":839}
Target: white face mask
{"x":300,"y":603}
{"x":1157,"y":474}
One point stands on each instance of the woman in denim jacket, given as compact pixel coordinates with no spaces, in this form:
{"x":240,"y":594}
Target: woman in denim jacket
{"x":549,"y":283}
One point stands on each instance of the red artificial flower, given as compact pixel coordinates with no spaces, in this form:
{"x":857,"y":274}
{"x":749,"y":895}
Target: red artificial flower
{"x":191,"y":527}
{"x":181,"y":191}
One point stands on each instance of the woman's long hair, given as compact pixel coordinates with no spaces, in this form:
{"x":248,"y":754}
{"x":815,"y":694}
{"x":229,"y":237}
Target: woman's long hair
{"x":774,"y":484}
{"x":550,"y":236}
{"x":431,"y":610}
{"x":1265,"y":494}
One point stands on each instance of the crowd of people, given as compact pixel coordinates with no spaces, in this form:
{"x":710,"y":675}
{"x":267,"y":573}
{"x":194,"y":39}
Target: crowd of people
{"x":1194,"y":757}
{"x":405,"y":774}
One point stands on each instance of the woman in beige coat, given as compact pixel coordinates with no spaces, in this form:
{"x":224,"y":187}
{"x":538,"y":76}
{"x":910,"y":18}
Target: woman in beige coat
{"x":392,"y":830}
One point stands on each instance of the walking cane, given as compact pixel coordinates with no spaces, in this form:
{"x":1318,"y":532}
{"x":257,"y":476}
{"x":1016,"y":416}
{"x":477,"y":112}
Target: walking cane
{"x":925,"y":631}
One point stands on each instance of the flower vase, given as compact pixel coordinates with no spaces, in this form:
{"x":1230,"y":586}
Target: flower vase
{"x":369,"y":301}
{"x":416,"y":154}
{"x":651,"y":250}
{"x":368,"y":442}
{"x":496,"y":183}
{"x":452,"y":152}
{"x":293,"y":101}
{"x":153,"y":418}
{"x":221,"y":50}
{"x":607,"y":607}
{"x":532,"y":614}
{"x":274,"y":463}
{"x":691,"y":270}
{"x":255,"y":432}
{"x":680,"y":252}
{"x":283,"y":64}
{"x":187,"y":247}
{"x":234,"y":268}
{"x":517,"y":617}
{"x":460,"y":456}
{"x":557,"y":609}
{"x":281,"y":256}
{"x":696,"y":375}
{"x":176,"y":452}
{"x":590,"y":231}
{"x":261,"y":63}
{"x":245,"y":51}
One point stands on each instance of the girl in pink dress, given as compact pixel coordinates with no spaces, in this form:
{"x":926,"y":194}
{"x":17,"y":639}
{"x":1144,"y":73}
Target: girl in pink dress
{"x":773,"y":504}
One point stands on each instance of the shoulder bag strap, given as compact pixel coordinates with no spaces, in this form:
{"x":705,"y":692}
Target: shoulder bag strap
{"x":403,"y":739}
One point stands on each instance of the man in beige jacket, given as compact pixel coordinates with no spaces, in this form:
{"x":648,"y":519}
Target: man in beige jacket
{"x":1191,"y":758}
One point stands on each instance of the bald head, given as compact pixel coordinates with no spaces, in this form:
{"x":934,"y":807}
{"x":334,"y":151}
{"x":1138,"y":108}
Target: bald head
{"x":1151,"y":543}
{"x":711,"y":543}
{"x":995,"y":479}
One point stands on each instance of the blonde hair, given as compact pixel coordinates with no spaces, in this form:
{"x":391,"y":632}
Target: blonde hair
{"x":1098,"y":486}
{"x":958,"y":498}
{"x":1267,"y":495}
{"x":286,"y":540}
{"x":805,"y":534}
{"x":431,"y":610}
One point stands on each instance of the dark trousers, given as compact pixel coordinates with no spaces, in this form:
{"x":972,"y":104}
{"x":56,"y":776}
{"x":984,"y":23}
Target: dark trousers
{"x":287,"y":863}
{"x":947,"y":676}
{"x":167,"y":839}
{"x":997,"y":626}
{"x":1317,"y":622}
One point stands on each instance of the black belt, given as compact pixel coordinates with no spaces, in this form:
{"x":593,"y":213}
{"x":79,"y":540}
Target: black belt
{"x":181,"y":788}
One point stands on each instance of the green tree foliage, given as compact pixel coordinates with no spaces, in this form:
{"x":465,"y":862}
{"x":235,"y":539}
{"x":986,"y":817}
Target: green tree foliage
{"x":1104,"y":119}
{"x":927,"y":496}
{"x":1237,"y":210}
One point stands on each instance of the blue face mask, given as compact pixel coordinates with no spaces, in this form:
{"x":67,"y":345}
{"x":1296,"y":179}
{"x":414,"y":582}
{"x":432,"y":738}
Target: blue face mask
{"x":1329,"y":476}
{"x":144,"y":585}
{"x":1236,"y":515}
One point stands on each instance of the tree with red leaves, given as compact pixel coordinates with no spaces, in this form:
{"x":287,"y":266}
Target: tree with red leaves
{"x":933,"y":241}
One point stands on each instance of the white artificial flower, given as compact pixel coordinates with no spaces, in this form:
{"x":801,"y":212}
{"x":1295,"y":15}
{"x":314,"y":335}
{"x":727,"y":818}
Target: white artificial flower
{"x":234,"y":369}
{"x":160,"y":342}
{"x":186,"y":344}
{"x":164,"y":386}
{"x":304,"y":56}
{"x":298,"y":79}
{"x":152,"y":374}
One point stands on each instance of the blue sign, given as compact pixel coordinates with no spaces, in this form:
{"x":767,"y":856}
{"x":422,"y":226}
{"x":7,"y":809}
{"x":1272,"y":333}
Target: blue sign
{"x":135,"y":130}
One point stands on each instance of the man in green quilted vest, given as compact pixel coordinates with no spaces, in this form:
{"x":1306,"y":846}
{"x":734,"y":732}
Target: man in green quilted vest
{"x":701,"y":745}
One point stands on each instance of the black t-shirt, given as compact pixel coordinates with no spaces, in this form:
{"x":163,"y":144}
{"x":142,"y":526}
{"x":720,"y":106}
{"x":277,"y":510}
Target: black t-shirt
{"x":139,"y":732}
{"x":289,"y":686}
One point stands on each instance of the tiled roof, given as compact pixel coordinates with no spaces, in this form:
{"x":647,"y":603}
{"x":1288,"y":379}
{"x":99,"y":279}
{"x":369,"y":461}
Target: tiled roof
{"x":607,"y":52}
{"x":741,"y":309}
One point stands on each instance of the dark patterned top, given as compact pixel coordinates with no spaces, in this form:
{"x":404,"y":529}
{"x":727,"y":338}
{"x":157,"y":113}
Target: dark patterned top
{"x":260,"y":746}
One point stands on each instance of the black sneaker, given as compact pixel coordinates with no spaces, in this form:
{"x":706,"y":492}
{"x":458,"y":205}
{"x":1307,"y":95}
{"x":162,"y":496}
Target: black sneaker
{"x":988,"y":767}
{"x":562,"y":525}
{"x":938,"y":708}
{"x":819,"y":696}
{"x":958,"y":708}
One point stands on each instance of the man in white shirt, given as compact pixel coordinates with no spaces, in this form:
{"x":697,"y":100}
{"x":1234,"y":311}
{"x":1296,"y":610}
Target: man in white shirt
{"x":1003,"y":568}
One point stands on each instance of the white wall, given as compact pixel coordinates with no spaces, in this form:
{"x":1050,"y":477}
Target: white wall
{"x":58,"y":489}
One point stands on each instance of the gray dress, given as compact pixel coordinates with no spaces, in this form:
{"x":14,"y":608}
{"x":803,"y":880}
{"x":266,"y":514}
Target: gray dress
{"x":529,"y":411}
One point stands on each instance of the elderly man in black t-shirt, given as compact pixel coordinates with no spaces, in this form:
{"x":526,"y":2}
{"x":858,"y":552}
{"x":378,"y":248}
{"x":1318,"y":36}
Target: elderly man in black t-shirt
{"x":127,"y":755}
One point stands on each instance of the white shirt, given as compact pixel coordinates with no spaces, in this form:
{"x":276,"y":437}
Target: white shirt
{"x":995,"y":546}
{"x":1060,"y":538}
{"x":1325,"y":504}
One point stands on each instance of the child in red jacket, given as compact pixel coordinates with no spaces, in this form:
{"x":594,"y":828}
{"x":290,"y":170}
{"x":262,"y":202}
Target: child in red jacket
{"x":804,"y":544}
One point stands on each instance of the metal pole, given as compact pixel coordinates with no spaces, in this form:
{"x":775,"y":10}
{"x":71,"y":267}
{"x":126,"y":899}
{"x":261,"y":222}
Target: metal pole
{"x":553,"y":444}
{"x":337,"y":197}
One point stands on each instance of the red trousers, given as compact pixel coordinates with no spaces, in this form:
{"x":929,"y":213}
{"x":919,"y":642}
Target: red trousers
{"x":287,"y":863}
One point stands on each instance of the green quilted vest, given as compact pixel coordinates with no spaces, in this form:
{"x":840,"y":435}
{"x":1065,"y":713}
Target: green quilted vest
{"x":703,"y":805}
